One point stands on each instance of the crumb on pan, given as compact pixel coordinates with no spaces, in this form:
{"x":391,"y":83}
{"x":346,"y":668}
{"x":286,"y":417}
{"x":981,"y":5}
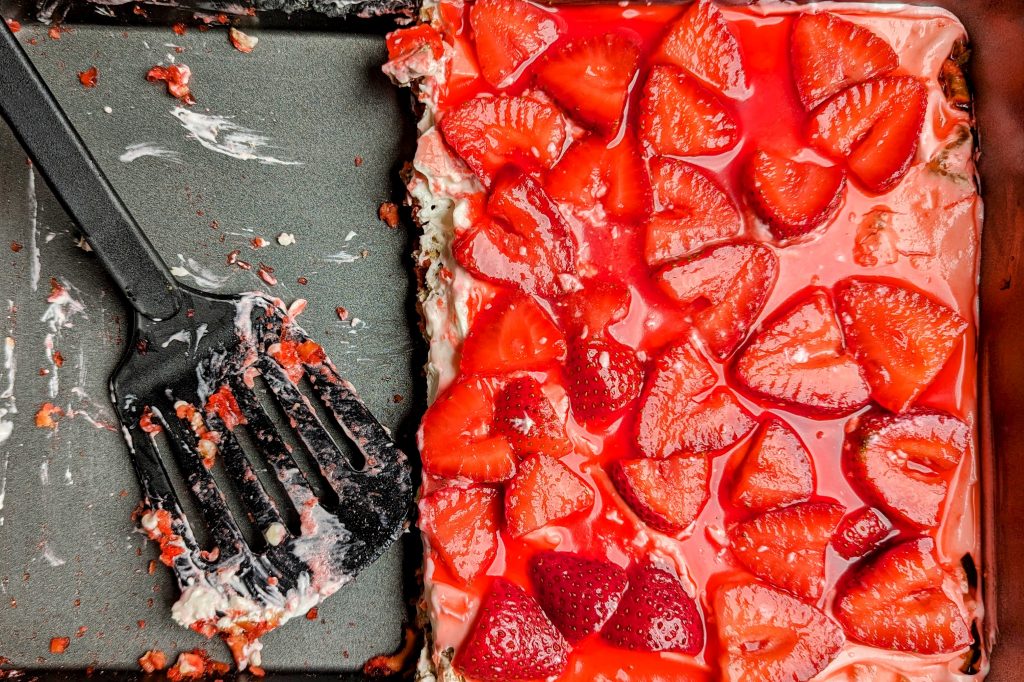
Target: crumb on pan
{"x":388,"y":212}
{"x":389,"y":664}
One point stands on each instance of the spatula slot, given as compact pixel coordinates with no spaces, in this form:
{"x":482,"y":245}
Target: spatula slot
{"x":267,"y":438}
{"x":223,"y":465}
{"x":302,"y":453}
{"x":177,"y":479}
{"x":332,"y":460}
{"x":242,"y":491}
{"x":329,"y":421}
{"x":213,"y":507}
{"x":361,"y":428}
{"x":266,"y":478}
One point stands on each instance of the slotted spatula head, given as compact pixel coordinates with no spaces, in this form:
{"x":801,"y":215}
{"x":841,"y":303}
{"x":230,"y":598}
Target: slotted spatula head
{"x":188,"y":393}
{"x":185,"y":391}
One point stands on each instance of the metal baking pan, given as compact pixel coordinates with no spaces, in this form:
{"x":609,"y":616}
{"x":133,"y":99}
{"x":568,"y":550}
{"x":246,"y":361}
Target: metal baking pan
{"x":320,"y":99}
{"x":69,"y":558}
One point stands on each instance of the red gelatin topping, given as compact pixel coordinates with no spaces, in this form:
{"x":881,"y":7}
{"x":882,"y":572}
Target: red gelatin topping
{"x":699,"y":287}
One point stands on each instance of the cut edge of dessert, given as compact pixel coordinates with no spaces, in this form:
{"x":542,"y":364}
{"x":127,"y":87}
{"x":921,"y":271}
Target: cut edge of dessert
{"x":701,"y":341}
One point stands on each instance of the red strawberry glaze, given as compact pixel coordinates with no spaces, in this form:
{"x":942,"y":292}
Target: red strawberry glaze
{"x":924,"y":231}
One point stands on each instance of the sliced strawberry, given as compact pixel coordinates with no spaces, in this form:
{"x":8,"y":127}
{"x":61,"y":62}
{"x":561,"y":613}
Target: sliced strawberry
{"x":509,"y":34}
{"x":525,"y":416}
{"x":672,"y":420}
{"x":591,"y":78}
{"x":511,"y":334}
{"x":667,"y":494}
{"x":591,"y":173}
{"x":895,"y":600}
{"x":656,"y":614}
{"x":680,"y":117}
{"x":875,"y":126}
{"x":591,"y":310}
{"x":725,"y":288}
{"x":793,"y":197}
{"x":406,"y":42}
{"x":526,"y":245}
{"x":769,"y":636}
{"x":776,"y":471}
{"x":830,"y":54}
{"x":679,"y":375}
{"x":503,"y":257}
{"x":700,"y":42}
{"x":691,"y":210}
{"x":456,"y":437}
{"x":798,"y":360}
{"x":604,"y":377}
{"x":901,"y":337}
{"x":786,"y":547}
{"x":860,"y":532}
{"x":904,"y":462}
{"x":521,"y":202}
{"x":490,"y":132}
{"x":578,"y":594}
{"x":627,"y":191}
{"x":512,"y":639}
{"x":714,"y":424}
{"x":544,"y":490}
{"x":461,"y":524}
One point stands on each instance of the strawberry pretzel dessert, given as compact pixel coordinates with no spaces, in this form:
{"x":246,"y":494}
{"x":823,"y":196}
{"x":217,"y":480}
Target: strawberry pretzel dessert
{"x":699,"y":288}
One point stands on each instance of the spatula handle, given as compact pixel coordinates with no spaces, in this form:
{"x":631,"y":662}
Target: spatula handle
{"x":59,"y":154}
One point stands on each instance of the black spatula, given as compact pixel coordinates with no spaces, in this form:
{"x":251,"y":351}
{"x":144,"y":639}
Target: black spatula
{"x":216,"y":388}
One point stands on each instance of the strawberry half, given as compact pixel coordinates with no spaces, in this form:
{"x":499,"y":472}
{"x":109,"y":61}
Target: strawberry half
{"x":543,"y":490}
{"x":591,"y":310}
{"x":591,"y":78}
{"x":527,"y":244}
{"x":667,"y":494}
{"x":901,"y":337}
{"x":509,"y":34}
{"x":512,"y":639}
{"x":830,"y":54}
{"x":725,"y":288}
{"x":904,"y":462}
{"x":593,"y":174}
{"x":512,"y":333}
{"x":875,"y":126}
{"x":690,"y":208}
{"x":769,"y":636}
{"x":681,"y":117}
{"x":860,"y":532}
{"x":578,"y":594}
{"x":490,"y":132}
{"x":524,"y":415}
{"x":656,"y":614}
{"x":457,"y":438}
{"x":700,"y":42}
{"x":895,"y":600}
{"x":672,"y":420}
{"x":786,"y":547}
{"x":793,"y":197}
{"x":603,"y":377}
{"x":776,"y":471}
{"x":461,"y":524}
{"x":798,"y":360}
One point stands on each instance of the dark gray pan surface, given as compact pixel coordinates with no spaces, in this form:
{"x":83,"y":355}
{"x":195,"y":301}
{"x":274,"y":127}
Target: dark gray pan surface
{"x":68,"y":494}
